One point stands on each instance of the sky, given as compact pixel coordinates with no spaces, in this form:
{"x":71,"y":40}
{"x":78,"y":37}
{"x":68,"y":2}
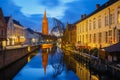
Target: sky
{"x":30,"y":12}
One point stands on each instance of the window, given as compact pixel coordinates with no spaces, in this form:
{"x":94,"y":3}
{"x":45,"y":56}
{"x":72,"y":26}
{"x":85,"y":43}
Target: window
{"x":100,"y":36}
{"x":86,"y":38}
{"x":86,"y":25}
{"x":99,"y":23}
{"x":111,"y":19}
{"x":90,"y":37}
{"x":110,"y":36}
{"x":90,"y":25}
{"x":80,"y":38}
{"x":83,"y":27}
{"x":2,"y":32}
{"x":94,"y":25}
{"x":110,"y":33}
{"x":83,"y":39}
{"x":119,"y":35}
{"x":106,"y":37}
{"x":94,"y":38}
{"x":80,"y":29}
{"x":118,"y":16}
{"x":106,"y":20}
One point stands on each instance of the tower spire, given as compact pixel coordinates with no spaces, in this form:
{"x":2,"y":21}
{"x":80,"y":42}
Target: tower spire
{"x":45,"y":13}
{"x":45,"y":24}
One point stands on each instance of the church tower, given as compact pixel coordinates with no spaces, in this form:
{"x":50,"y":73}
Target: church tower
{"x":45,"y":24}
{"x":44,"y":59}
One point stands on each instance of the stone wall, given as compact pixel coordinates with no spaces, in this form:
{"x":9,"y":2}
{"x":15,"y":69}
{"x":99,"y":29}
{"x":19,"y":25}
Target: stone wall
{"x":9,"y":56}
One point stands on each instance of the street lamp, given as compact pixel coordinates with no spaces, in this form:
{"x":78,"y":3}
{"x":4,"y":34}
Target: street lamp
{"x":3,"y":48}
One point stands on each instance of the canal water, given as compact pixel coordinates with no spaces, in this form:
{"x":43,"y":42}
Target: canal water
{"x":53,"y":64}
{"x":46,"y":64}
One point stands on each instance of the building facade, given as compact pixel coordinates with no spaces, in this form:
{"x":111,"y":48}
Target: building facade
{"x":101,"y":28}
{"x":45,"y":25}
{"x":10,"y":30}
{"x":32,"y":37}
{"x":19,"y":33}
{"x":3,"y":30}
{"x":70,"y":33}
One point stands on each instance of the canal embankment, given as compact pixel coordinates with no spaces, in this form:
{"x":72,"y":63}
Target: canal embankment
{"x":13,"y":59}
{"x":94,"y":63}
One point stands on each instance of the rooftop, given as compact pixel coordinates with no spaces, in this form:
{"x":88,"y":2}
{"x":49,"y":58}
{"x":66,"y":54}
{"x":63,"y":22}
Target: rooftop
{"x":105,"y":5}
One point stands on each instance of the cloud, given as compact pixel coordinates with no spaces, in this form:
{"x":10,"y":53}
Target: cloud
{"x":11,"y":9}
{"x":30,"y":12}
{"x":55,"y":8}
{"x":49,"y":3}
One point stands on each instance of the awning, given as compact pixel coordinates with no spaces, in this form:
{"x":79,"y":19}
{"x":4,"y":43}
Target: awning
{"x":113,"y":48}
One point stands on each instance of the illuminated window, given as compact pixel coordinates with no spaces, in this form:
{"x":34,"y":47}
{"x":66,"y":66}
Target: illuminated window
{"x":119,"y":17}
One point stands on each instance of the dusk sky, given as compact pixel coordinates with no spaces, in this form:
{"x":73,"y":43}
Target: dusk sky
{"x":30,"y":12}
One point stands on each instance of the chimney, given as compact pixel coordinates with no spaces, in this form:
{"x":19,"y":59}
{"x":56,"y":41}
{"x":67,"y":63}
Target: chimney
{"x":82,"y":16}
{"x":97,"y":6}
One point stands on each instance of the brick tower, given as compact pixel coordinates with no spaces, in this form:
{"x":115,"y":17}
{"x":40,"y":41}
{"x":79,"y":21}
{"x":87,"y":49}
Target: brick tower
{"x":45,"y":24}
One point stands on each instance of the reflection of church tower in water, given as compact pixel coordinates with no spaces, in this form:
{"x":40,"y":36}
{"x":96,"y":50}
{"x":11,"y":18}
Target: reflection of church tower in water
{"x":45,"y":24}
{"x":44,"y":59}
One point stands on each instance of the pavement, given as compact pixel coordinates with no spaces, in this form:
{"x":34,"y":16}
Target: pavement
{"x":15,"y":46}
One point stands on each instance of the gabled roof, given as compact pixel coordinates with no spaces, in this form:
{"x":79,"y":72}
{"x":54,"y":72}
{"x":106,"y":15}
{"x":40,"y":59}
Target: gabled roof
{"x":29,"y":30}
{"x":16,"y":22}
{"x":7,"y":19}
{"x":113,"y":48}
{"x":105,"y":5}
{"x":38,"y":33}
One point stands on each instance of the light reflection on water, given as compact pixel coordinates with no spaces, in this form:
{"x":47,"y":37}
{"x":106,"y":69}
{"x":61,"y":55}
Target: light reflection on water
{"x":47,"y":64}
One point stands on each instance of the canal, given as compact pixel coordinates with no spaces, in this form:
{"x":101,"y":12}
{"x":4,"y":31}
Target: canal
{"x":51,"y":64}
{"x":46,"y":64}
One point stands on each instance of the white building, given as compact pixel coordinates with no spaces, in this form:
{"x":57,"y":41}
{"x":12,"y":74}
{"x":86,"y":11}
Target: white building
{"x":19,"y":33}
{"x":10,"y":30}
{"x":32,"y":37}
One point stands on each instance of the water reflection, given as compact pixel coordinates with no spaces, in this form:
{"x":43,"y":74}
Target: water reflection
{"x":31,"y":55}
{"x":44,"y":58}
{"x":57,"y":62}
{"x":48,"y":64}
{"x":79,"y":68}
